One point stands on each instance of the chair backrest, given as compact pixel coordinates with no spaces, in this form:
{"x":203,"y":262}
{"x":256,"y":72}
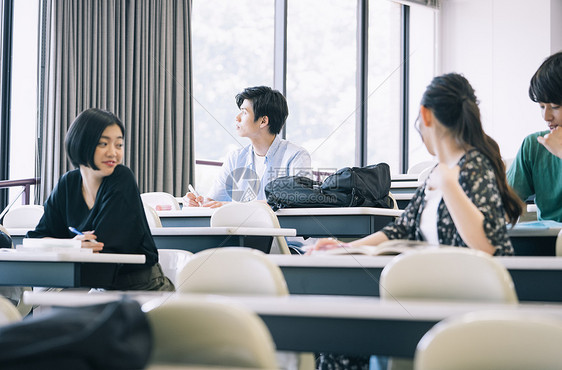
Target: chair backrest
{"x":24,"y":216}
{"x":152,"y":217}
{"x":419,"y":167}
{"x":212,"y":333}
{"x":492,"y":340}
{"x":160,"y":201}
{"x":559,"y":244}
{"x":448,"y":273}
{"x":395,"y":204}
{"x":8,"y":312}
{"x":250,"y":214}
{"x":232,"y":271}
{"x":173,"y":261}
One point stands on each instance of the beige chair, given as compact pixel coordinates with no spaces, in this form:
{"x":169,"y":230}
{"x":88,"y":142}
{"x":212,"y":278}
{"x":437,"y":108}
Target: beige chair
{"x":232,"y":270}
{"x":159,"y":200}
{"x":250,"y":214}
{"x":195,"y":331}
{"x":239,"y":271}
{"x":492,"y":340}
{"x":419,"y":167}
{"x":8,"y":312}
{"x":24,"y":216}
{"x":447,"y":273}
{"x":152,"y":217}
{"x":173,"y":261}
{"x":395,"y":204}
{"x":559,"y":244}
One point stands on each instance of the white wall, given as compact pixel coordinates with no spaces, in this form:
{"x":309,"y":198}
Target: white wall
{"x":498,"y":45}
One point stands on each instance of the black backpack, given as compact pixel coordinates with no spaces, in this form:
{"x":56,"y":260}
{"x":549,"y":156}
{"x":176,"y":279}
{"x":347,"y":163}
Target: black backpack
{"x":115,"y":335}
{"x":348,"y":187}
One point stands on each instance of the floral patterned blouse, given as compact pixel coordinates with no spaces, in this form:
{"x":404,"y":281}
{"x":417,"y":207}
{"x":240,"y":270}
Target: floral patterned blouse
{"x":478,"y":181}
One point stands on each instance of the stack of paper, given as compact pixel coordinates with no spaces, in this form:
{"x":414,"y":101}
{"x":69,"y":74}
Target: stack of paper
{"x":52,"y":245}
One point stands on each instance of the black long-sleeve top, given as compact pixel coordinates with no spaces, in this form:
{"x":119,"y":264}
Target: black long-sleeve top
{"x":117,"y":217}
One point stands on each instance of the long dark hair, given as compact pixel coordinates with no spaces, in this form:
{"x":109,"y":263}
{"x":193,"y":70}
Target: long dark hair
{"x":452,"y":100}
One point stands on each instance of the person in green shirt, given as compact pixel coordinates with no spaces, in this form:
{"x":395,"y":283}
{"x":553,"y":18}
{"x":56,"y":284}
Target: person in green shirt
{"x":537,"y":168}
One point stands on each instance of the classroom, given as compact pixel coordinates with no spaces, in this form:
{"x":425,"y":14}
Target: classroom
{"x":142,"y":143}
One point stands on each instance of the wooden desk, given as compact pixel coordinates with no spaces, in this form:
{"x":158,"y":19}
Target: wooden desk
{"x":196,"y":239}
{"x":344,"y":222}
{"x":353,"y":325}
{"x":62,"y":270}
{"x":535,"y":278}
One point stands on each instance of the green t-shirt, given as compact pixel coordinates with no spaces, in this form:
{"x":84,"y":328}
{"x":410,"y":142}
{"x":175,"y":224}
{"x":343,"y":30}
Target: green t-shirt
{"x":536,"y":171}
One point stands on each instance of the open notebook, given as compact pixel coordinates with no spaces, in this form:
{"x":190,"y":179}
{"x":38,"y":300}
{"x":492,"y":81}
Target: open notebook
{"x":390,"y":247}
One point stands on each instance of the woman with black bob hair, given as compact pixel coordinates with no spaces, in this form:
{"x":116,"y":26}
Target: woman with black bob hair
{"x":465,"y":199}
{"x":101,"y":198}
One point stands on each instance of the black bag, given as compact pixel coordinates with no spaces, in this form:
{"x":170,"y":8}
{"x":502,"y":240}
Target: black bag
{"x":115,"y":335}
{"x":348,"y":187}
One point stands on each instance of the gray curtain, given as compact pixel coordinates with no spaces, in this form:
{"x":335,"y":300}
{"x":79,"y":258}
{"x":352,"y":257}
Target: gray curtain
{"x":131,"y":57}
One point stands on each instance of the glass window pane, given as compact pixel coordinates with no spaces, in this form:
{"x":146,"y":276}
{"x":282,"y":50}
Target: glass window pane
{"x":422,"y":70}
{"x":232,"y":48}
{"x":24,"y":93}
{"x":321,"y":79}
{"x":383,"y":131}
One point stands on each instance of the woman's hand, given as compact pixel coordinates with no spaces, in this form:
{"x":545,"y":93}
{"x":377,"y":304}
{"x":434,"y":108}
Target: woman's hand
{"x":88,"y":240}
{"x":325,"y":244}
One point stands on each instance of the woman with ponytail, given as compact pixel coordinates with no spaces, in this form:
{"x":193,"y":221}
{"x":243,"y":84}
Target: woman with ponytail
{"x":465,"y":200}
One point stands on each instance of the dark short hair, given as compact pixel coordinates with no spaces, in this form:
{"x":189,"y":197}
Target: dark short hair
{"x":266,"y":102}
{"x":84,"y":134}
{"x":546,"y":83}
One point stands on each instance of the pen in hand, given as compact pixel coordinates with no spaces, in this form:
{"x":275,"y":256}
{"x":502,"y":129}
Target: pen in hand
{"x":192,"y":190}
{"x":78,"y":232}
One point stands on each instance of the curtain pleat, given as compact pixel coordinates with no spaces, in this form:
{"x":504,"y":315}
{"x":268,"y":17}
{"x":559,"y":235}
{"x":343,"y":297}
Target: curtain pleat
{"x":130,"y":57}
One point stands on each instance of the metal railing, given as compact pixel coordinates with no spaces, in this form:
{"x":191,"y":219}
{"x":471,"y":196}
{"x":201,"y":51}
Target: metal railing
{"x":25,"y":184}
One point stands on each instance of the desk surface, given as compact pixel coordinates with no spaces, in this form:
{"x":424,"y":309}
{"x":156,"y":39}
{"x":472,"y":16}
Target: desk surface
{"x":535,"y":278}
{"x":308,"y":222}
{"x":14,"y":255}
{"x":202,"y":231}
{"x":355,"y":325}
{"x":208,"y":212}
{"x":62,"y":270}
{"x":196,"y":239}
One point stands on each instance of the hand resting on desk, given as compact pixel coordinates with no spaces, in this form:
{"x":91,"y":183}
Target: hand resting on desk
{"x":88,"y":240}
{"x":325,"y":244}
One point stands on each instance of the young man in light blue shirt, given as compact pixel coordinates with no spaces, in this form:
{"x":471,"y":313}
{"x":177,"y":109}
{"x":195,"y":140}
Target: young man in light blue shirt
{"x":246,"y":171}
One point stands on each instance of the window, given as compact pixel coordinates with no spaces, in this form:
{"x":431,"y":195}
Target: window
{"x":384,"y":68}
{"x":232,"y":49}
{"x":235,"y":50}
{"x":23,"y":113}
{"x":422,"y":69}
{"x":321,"y":79}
